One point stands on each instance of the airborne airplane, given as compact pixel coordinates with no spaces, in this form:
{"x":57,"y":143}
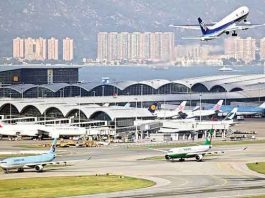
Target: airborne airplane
{"x":237,"y":20}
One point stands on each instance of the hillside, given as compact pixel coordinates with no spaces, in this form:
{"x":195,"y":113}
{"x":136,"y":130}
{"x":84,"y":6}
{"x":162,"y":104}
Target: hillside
{"x":82,"y":19}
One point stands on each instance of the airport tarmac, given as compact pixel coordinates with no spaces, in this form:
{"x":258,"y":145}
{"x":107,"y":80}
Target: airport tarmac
{"x":250,"y":125}
{"x":217,"y":176}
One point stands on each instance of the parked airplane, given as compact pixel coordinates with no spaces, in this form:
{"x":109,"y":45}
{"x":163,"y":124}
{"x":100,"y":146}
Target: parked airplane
{"x":38,"y":162}
{"x":197,"y":152}
{"x":164,"y":113}
{"x":244,"y":110}
{"x":230,"y":23}
{"x":38,"y":130}
{"x":188,"y":125}
{"x":18,"y":130}
{"x":202,"y":113}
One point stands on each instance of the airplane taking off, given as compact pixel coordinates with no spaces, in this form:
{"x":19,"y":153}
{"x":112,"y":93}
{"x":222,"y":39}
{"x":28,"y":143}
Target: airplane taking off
{"x":231,"y":23}
{"x":37,"y":161}
{"x":197,"y":152}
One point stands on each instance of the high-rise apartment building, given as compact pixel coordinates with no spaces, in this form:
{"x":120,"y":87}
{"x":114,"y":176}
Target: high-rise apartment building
{"x":240,"y":49}
{"x":262,"y":49}
{"x":102,"y":49}
{"x":35,"y":49}
{"x":40,"y":49}
{"x":68,"y":49}
{"x":53,"y":48}
{"x":30,"y":48}
{"x":136,"y":46}
{"x":18,"y":48}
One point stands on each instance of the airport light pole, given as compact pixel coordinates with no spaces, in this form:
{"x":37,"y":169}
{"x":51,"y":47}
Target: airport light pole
{"x":22,"y":93}
{"x":200,"y":107}
{"x":141,"y":96}
{"x":259,"y":91}
{"x":10,"y":106}
{"x":136,"y":133}
{"x":225,"y":92}
{"x":79,"y":106}
{"x":190,"y":95}
{"x":103,"y":90}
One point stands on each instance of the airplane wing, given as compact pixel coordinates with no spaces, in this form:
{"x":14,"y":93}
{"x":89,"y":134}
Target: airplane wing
{"x":202,"y":38}
{"x":189,"y":27}
{"x":30,"y":165}
{"x":216,"y":152}
{"x":243,"y":26}
{"x":163,"y":151}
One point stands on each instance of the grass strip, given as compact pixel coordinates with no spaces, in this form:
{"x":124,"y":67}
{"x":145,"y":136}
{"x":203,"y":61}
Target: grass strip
{"x":69,"y":186}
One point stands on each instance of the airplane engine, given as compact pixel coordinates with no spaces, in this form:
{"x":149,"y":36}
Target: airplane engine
{"x":167,"y":157}
{"x":39,"y":168}
{"x":199,"y":158}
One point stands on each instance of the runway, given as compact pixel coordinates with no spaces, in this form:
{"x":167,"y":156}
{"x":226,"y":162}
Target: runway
{"x":217,"y":176}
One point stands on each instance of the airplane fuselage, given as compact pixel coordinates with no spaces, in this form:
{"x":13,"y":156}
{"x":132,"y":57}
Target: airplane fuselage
{"x":227,"y":22}
{"x":20,"y":162}
{"x":187,"y":152}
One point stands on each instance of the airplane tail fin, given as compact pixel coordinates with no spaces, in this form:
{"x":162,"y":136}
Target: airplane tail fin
{"x":218,"y":106}
{"x":127,"y":105}
{"x":262,"y":105}
{"x":153,"y":107}
{"x":208,"y":140}
{"x":204,"y":28}
{"x":53,"y":146}
{"x":231,"y":115}
{"x":181,"y":107}
{"x":1,"y":125}
{"x":196,"y":108}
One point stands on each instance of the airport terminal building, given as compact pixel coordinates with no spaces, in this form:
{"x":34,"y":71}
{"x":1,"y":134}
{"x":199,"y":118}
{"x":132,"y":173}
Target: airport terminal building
{"x":38,"y":75}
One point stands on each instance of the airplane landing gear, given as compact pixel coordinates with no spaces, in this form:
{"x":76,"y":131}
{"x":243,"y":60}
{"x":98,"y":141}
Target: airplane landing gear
{"x":181,"y":159}
{"x":234,"y":33}
{"x":6,"y":171}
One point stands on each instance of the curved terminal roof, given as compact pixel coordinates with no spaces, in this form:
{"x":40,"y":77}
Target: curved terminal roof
{"x":227,"y":82}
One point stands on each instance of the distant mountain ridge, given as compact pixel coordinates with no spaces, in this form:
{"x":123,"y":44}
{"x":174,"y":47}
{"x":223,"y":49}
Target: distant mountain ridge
{"x":83,"y":19}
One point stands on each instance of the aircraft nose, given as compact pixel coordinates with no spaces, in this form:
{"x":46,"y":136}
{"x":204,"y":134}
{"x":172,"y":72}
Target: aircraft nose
{"x":246,"y":9}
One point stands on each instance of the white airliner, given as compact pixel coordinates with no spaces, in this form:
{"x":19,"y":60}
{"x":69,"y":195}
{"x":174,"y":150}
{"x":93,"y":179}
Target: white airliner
{"x":233,"y":22}
{"x":202,"y":113}
{"x":164,"y":113}
{"x":37,"y":130}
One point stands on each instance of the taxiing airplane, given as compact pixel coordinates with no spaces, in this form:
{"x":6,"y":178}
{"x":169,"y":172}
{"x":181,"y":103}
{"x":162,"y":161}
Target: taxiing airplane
{"x":197,"y":152}
{"x":164,"y":113}
{"x":233,"y":22}
{"x":38,"y":162}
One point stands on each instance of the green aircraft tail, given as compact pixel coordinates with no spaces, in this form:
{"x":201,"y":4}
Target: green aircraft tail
{"x":208,"y":140}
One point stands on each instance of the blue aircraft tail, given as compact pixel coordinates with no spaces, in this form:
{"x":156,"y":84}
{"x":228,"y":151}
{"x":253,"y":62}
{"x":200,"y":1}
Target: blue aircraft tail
{"x":204,"y":28}
{"x":53,"y":146}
